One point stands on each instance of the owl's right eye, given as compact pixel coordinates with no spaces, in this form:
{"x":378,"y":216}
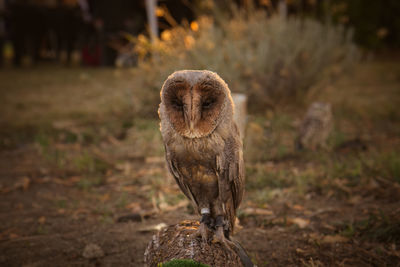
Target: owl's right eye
{"x":177,"y":104}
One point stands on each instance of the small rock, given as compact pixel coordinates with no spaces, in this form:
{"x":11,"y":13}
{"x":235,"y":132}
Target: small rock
{"x":92,"y":251}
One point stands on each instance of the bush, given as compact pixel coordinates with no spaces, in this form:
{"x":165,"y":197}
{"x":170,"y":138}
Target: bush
{"x":271,"y":59}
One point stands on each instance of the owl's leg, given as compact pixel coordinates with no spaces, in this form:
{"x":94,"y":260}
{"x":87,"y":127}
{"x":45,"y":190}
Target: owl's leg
{"x":205,"y":223}
{"x":219,"y":236}
{"x":219,"y":230}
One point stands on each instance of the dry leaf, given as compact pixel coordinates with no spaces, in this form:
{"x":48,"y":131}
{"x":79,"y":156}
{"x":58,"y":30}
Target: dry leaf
{"x":22,"y":184}
{"x":300,"y":251}
{"x":129,"y":188}
{"x":314,"y":236}
{"x":328,"y":226}
{"x":329,"y":239}
{"x":13,"y":236}
{"x":355,"y":199}
{"x":105,"y":197}
{"x":302,"y":223}
{"x":42,"y":220}
{"x":298,"y":207}
{"x":180,"y":204}
{"x":257,"y":211}
{"x":156,"y":227}
{"x":155,"y":160}
{"x":134,"y":207}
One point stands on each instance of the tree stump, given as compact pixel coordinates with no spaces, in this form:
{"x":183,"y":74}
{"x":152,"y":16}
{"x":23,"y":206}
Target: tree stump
{"x":180,"y":242}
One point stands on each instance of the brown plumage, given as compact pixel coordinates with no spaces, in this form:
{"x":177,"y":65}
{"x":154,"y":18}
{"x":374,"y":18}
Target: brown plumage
{"x":203,"y":147}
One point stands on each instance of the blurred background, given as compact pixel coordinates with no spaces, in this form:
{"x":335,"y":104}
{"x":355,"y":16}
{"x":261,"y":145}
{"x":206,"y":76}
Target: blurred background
{"x":82,"y":173}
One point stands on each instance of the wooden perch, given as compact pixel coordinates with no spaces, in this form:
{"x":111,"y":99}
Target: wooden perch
{"x":181,"y":242}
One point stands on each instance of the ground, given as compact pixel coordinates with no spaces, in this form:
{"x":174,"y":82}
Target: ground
{"x":76,"y":157}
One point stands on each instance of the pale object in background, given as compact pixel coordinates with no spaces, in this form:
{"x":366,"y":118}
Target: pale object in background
{"x":315,"y":127}
{"x":152,"y":19}
{"x":240,"y":112}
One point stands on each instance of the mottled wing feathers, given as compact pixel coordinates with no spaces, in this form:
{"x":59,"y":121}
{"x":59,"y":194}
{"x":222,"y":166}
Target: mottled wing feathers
{"x":179,"y":178}
{"x":231,"y":170}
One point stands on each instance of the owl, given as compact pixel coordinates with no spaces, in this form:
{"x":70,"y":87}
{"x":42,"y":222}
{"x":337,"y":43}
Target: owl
{"x":203,"y":147}
{"x":315,"y":127}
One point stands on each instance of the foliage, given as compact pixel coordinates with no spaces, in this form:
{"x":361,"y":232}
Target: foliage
{"x":182,"y":263}
{"x":271,"y":59}
{"x":375,"y":24}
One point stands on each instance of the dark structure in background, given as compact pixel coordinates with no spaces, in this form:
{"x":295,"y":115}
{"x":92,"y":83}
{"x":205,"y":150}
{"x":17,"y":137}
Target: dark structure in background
{"x":92,"y":27}
{"x":55,"y":29}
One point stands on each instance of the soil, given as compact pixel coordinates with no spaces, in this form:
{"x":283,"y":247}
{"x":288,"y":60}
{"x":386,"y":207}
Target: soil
{"x":48,"y":217}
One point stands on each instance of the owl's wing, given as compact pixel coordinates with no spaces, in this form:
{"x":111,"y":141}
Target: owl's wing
{"x":230,"y":168}
{"x":179,"y":178}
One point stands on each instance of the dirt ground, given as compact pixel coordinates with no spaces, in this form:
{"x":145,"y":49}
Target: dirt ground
{"x":68,"y":172}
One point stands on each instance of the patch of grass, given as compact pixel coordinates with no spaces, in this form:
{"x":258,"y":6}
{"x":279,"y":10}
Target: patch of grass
{"x":87,"y":183}
{"x":269,"y":139}
{"x":377,"y":227}
{"x":122,"y":201}
{"x":349,"y":167}
{"x":336,"y":138}
{"x":348,"y":231}
{"x":43,"y":140}
{"x":259,"y":177}
{"x":182,"y":263}
{"x":42,"y":230}
{"x":145,"y":137}
{"x":391,"y":166}
{"x":61,"y":203}
{"x":87,"y":163}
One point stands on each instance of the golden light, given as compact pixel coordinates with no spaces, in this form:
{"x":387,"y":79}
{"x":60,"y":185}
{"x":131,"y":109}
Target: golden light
{"x":166,"y":35}
{"x":159,"y":12}
{"x":194,"y":26}
{"x":265,"y":2}
{"x":189,"y":41}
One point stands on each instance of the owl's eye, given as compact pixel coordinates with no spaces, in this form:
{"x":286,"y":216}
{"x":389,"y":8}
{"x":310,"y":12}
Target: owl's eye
{"x":177,"y":104}
{"x":208,"y":103}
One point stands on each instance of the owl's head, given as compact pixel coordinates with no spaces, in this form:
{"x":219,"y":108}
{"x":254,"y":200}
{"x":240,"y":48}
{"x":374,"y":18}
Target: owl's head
{"x":195,"y":102}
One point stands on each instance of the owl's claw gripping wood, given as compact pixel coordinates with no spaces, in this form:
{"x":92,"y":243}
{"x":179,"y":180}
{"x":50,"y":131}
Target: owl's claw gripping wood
{"x":203,"y":232}
{"x":205,"y":224}
{"x":219,"y":236}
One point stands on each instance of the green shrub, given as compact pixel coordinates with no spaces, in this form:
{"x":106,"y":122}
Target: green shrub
{"x":182,"y":263}
{"x":271,"y":59}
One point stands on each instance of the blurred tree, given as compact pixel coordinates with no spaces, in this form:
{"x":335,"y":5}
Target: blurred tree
{"x":376,"y":23}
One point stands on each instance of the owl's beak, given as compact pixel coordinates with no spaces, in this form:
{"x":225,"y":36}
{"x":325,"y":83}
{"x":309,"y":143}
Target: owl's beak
{"x":190,"y":118}
{"x":191,"y":125}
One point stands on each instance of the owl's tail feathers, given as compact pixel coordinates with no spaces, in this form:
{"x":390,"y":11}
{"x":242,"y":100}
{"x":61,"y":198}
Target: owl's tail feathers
{"x":244,"y":257}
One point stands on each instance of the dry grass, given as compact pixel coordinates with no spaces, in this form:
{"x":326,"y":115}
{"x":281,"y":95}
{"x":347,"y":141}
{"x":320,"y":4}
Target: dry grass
{"x":274,"y":61}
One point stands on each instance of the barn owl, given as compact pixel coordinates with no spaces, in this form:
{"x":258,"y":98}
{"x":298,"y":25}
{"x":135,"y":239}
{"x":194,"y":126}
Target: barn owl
{"x":315,"y":127}
{"x":203,"y":147}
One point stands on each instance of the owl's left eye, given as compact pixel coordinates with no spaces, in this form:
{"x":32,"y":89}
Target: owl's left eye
{"x":207,"y":103}
{"x":177,"y":104}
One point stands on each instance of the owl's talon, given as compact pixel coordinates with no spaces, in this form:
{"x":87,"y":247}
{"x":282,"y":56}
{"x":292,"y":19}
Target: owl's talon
{"x":220,"y":238}
{"x":202,"y":232}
